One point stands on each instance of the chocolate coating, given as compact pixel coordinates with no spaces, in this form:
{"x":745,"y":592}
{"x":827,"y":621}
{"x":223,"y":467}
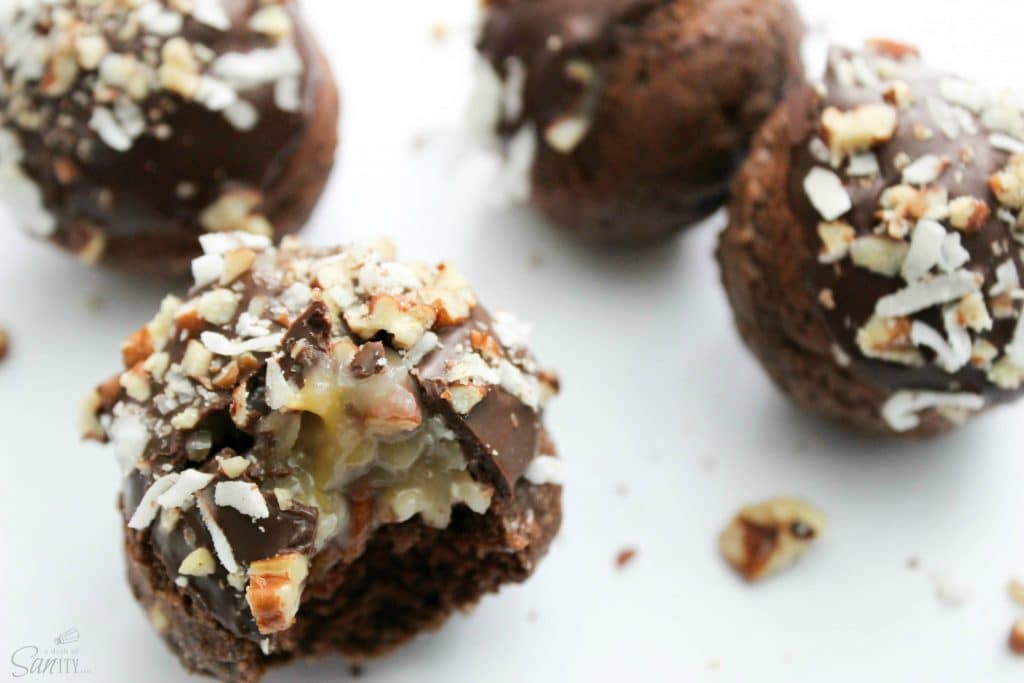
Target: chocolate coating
{"x":667,"y":93}
{"x":140,"y":204}
{"x":297,"y":408}
{"x":806,"y":319}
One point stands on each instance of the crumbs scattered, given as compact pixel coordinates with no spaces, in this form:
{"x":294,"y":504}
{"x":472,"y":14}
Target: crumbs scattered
{"x":950,"y":592}
{"x":913,"y":562}
{"x":625,"y":556}
{"x":3,"y":343}
{"x":95,"y":303}
{"x":1017,"y":637}
{"x":1016,"y":589}
{"x":439,"y":31}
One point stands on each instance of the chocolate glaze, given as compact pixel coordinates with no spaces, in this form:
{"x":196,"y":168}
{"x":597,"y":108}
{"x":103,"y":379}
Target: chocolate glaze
{"x":586,"y":29}
{"x":856,"y":290}
{"x":500,"y":435}
{"x":291,"y":530}
{"x":499,"y":438}
{"x":369,"y":360}
{"x":135,"y":192}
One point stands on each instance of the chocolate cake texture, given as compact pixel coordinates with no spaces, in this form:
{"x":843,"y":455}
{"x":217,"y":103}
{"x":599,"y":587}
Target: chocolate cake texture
{"x":324,"y":450}
{"x":873,"y":255}
{"x":628,"y":118}
{"x":130,"y":127}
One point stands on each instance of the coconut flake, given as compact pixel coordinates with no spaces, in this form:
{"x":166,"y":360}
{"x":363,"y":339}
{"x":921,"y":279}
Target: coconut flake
{"x":471,"y":368}
{"x":187,"y":484}
{"x":287,"y":94}
{"x":148,"y":507}
{"x":1007,"y":281}
{"x":222,"y":242}
{"x":942,"y":115}
{"x":242,"y":115}
{"x":901,"y":410}
{"x":1015,"y":349}
{"x":953,"y":253}
{"x":826,"y":192}
{"x":262,"y":66}
{"x":964,"y":93}
{"x":222,"y":346}
{"x":952,"y":354}
{"x":927,"y":293}
{"x":211,"y":13}
{"x":863,"y":164}
{"x":427,"y":343}
{"x":925,"y":250}
{"x":109,"y":130}
{"x":1006,"y":143}
{"x":243,"y":496}
{"x":207,"y":269}
{"x":546,"y":469}
{"x":221,"y":545}
{"x":513,"y":332}
{"x":279,"y":390}
{"x":522,"y":386}
{"x":129,"y":435}
{"x":924,"y":170}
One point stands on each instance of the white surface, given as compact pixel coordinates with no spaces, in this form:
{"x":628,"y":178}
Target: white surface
{"x":660,"y":401}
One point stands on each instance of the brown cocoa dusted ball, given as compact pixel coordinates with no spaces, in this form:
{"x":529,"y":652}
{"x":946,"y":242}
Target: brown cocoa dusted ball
{"x":874,"y":250}
{"x":632,"y":115}
{"x":127,"y":129}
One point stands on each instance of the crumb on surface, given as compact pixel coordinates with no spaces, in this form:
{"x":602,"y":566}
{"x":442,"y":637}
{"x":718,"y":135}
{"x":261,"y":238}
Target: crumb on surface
{"x":950,"y":592}
{"x":439,"y":31}
{"x":4,"y":345}
{"x":625,"y":556}
{"x":913,"y":562}
{"x":1017,"y":637}
{"x":1016,"y":589}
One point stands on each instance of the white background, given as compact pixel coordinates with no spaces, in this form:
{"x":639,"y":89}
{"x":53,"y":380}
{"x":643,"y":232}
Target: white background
{"x":667,"y":422}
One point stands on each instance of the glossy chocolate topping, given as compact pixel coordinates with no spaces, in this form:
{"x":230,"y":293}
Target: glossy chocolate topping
{"x":545,"y":37}
{"x":184,"y":153}
{"x":936,"y":118}
{"x":243,"y":417}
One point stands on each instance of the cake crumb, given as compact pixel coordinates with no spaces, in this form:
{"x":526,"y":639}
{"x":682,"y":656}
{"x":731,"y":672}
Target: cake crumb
{"x":625,"y":556}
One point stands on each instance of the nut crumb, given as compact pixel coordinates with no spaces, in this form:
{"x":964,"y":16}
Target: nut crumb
{"x":625,"y":556}
{"x":1017,"y":637}
{"x":1017,"y":591}
{"x":439,"y":31}
{"x":4,"y":344}
{"x":768,"y":537}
